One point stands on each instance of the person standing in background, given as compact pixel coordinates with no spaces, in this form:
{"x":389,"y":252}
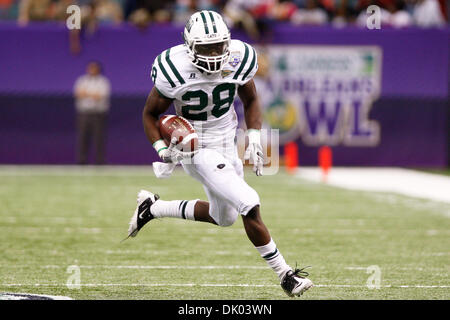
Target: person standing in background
{"x":92,"y":102}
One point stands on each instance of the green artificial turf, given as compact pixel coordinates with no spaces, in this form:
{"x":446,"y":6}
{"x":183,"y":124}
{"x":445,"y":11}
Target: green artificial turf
{"x":52,"y":218}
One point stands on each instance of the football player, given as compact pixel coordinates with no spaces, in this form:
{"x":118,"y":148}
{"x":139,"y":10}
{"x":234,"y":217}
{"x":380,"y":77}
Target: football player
{"x":201,"y":78}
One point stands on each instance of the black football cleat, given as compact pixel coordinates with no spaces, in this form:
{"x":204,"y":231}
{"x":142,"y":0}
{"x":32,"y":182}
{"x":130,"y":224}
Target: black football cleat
{"x":142,"y":214}
{"x":294,"y":283}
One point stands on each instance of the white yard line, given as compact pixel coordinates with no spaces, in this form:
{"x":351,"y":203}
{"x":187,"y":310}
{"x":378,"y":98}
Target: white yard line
{"x":57,"y":285}
{"x":393,"y":180}
{"x":74,"y":170}
{"x":159,"y":267}
{"x":225,"y":267}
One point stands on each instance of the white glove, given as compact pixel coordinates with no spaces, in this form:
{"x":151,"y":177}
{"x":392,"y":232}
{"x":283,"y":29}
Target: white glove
{"x":254,"y":151}
{"x":171,"y":154}
{"x":163,"y":170}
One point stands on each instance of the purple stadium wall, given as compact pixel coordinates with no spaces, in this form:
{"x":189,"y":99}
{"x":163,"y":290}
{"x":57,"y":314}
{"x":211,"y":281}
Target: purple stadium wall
{"x":38,"y":71}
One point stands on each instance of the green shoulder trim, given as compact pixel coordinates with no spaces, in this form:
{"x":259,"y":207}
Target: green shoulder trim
{"x":252,"y":65}
{"x":160,"y":65}
{"x":172,"y":67}
{"x":236,"y":75}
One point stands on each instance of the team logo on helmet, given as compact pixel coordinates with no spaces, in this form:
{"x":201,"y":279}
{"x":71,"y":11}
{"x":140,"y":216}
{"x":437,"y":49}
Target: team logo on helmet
{"x":189,"y":24}
{"x":235,"y":58}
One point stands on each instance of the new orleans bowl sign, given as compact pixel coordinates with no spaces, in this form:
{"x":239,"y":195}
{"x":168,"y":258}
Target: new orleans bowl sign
{"x":322,"y":94}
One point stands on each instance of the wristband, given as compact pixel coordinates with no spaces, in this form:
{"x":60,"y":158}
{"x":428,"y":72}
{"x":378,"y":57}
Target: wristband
{"x":160,"y":145}
{"x":254,"y":136}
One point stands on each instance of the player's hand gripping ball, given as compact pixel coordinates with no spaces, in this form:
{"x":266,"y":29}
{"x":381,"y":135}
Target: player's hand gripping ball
{"x":179,"y":134}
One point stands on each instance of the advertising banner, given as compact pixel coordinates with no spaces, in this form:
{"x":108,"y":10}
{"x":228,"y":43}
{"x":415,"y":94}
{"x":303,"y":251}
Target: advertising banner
{"x":321,"y":94}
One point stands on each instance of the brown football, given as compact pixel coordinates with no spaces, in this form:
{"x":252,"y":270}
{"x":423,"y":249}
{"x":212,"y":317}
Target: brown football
{"x":176,"y":126}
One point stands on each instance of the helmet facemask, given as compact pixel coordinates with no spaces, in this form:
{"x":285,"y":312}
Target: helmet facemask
{"x":211,"y":57}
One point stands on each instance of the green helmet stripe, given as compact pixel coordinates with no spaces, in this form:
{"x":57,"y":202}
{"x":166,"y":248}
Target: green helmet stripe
{"x":204,"y":22}
{"x":213,"y":21}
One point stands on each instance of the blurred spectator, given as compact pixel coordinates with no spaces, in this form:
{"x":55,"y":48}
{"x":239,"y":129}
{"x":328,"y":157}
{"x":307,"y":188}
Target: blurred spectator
{"x":34,"y":10}
{"x":92,"y":103}
{"x":254,"y":16}
{"x":309,"y":13}
{"x":427,"y":13}
{"x":393,"y":14}
{"x":446,"y":10}
{"x":185,"y":8}
{"x":100,"y":12}
{"x":9,"y":10}
{"x":143,"y":12}
{"x":361,"y":20}
{"x":342,"y":12}
{"x":59,"y":10}
{"x":283,"y":10}
{"x":93,"y":11}
{"x":400,"y":18}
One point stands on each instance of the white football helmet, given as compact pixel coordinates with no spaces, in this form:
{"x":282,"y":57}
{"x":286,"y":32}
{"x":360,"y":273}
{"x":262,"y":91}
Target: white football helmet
{"x":207,"y":38}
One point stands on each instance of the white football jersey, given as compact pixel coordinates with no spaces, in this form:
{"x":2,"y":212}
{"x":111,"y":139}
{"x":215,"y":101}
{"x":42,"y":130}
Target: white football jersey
{"x":205,"y":100}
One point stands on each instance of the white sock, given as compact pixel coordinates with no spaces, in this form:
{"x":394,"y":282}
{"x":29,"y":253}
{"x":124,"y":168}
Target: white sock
{"x":182,"y":209}
{"x":274,"y":258}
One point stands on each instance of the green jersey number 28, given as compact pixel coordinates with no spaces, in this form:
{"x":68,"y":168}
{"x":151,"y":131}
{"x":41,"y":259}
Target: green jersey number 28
{"x":220,"y":104}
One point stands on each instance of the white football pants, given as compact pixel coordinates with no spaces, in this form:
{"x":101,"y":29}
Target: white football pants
{"x":222,"y":176}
